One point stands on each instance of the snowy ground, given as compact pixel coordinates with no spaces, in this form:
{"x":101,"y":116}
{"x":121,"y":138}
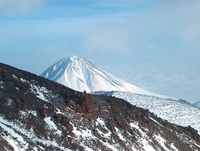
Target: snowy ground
{"x":174,"y":111}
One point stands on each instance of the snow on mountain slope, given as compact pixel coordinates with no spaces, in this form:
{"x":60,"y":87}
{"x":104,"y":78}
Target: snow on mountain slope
{"x":79,"y":74}
{"x":174,"y":111}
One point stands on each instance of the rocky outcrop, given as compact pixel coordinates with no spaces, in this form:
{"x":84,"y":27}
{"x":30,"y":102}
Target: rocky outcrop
{"x":20,"y":104}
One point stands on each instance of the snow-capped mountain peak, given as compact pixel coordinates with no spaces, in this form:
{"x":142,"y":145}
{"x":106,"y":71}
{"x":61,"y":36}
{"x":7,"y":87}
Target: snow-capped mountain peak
{"x":73,"y":72}
{"x":79,"y":74}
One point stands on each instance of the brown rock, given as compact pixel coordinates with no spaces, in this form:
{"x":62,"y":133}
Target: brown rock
{"x":43,"y":112}
{"x":20,"y":103}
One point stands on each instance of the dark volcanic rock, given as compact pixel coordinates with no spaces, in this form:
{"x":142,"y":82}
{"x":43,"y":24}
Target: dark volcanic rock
{"x":36,"y":113}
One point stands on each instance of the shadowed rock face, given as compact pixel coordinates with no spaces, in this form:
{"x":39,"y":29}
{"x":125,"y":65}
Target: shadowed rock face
{"x":36,"y":113}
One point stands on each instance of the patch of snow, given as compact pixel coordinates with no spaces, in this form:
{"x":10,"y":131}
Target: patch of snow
{"x":50,"y":123}
{"x":20,"y":143}
{"x":12,"y":142}
{"x":100,"y":122}
{"x":119,"y":134}
{"x":58,"y":132}
{"x":9,"y":102}
{"x":58,"y":111}
{"x":161,"y":141}
{"x":45,"y":106}
{"x":81,"y":133}
{"x":143,"y":139}
{"x":1,"y":87}
{"x":155,"y":121}
{"x":23,"y":113}
{"x":135,"y":125}
{"x":15,"y":77}
{"x":39,"y":92}
{"x":34,"y":113}
{"x":1,"y":82}
{"x":23,"y":80}
{"x":146,"y":145}
{"x":173,"y":147}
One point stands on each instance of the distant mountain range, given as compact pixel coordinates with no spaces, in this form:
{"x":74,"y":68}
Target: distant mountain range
{"x":39,"y":114}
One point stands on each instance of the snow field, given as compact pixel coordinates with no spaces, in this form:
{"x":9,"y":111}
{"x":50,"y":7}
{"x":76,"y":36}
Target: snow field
{"x":174,"y":111}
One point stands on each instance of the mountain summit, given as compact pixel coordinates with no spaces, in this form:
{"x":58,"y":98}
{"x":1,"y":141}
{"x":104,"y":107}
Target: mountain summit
{"x":79,"y":74}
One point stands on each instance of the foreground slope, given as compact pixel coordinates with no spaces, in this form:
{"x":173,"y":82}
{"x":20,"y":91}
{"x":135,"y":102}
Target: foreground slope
{"x":175,"y":111}
{"x":38,"y":114}
{"x":79,"y":74}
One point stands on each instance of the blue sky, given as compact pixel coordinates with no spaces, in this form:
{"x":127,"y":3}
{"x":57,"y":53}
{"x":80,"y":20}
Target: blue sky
{"x":155,"y":43}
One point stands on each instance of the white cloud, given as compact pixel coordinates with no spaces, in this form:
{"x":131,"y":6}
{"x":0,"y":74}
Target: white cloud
{"x":11,"y":7}
{"x":166,"y":27}
{"x":109,"y":37}
{"x":171,"y":27}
